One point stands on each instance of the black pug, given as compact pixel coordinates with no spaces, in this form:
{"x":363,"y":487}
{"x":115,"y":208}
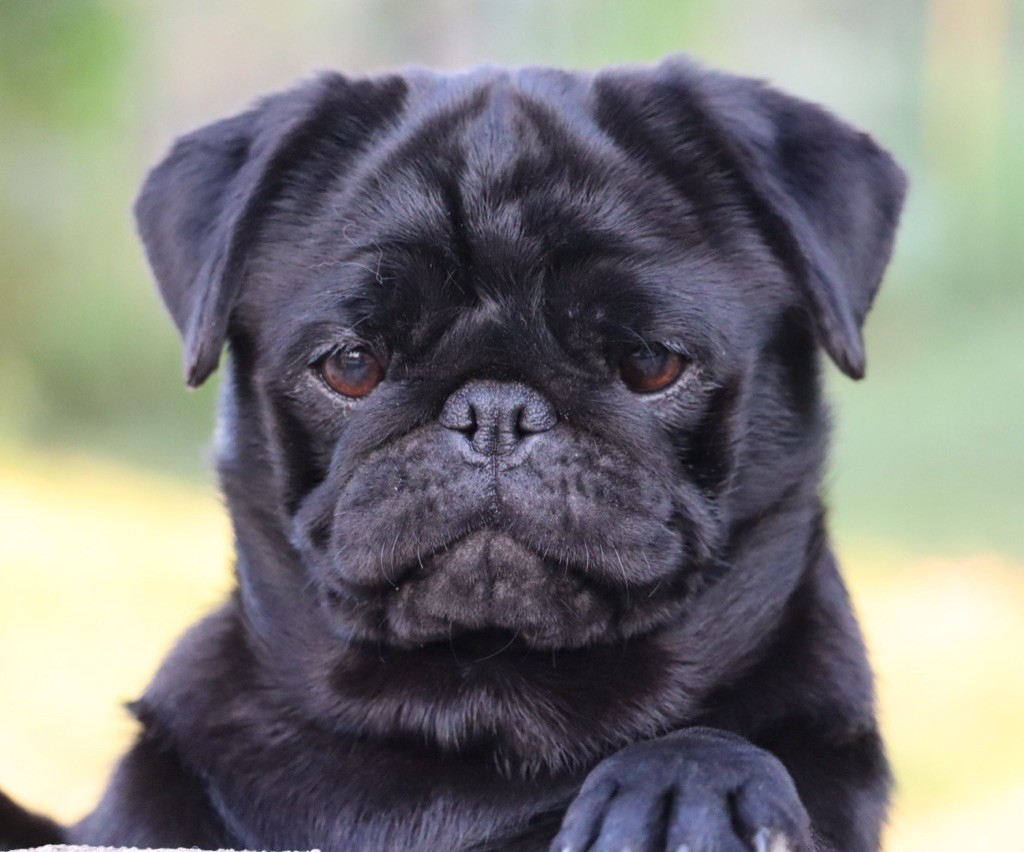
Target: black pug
{"x":522,"y":439}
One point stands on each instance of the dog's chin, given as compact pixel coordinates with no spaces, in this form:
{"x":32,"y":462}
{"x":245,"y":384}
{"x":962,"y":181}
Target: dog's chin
{"x":489,"y":593}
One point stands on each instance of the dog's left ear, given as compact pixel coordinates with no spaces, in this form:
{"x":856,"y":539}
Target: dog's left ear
{"x":200,"y":209}
{"x":829,"y":198}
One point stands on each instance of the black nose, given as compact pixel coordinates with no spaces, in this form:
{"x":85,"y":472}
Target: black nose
{"x":496,"y":418}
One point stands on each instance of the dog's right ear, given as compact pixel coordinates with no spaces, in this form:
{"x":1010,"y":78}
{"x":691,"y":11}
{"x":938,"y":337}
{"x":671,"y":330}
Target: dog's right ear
{"x":197,"y":216}
{"x":187,"y":211}
{"x":200,"y":209}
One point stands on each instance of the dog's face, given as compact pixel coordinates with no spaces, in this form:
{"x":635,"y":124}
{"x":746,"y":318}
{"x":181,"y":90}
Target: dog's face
{"x":503,"y":382}
{"x":516,"y":357}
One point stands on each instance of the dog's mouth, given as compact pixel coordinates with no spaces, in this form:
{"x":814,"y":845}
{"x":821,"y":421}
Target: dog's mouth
{"x":480,"y":645}
{"x":487,"y":594}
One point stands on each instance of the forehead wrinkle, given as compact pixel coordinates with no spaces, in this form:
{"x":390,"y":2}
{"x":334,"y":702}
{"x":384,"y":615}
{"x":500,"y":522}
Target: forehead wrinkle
{"x":530,"y":182}
{"x":498,"y":135}
{"x":577,"y":164}
{"x":403,"y":205}
{"x":395,"y":189}
{"x":611,"y":174}
{"x":518,"y":170}
{"x":524,"y":181}
{"x":494,"y":144}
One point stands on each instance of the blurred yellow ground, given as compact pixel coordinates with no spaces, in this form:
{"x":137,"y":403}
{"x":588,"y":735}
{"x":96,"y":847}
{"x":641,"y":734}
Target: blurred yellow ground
{"x":102,"y":566}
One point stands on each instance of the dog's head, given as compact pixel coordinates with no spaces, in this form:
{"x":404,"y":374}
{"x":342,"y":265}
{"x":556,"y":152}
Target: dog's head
{"x":515,"y":355}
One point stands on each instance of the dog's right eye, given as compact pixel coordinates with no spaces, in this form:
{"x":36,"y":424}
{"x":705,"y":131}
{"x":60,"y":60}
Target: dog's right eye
{"x":352,"y":371}
{"x":651,"y":369}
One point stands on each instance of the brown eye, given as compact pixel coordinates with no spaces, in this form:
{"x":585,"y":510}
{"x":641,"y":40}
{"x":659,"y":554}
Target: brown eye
{"x":353,"y":371}
{"x":651,"y":369}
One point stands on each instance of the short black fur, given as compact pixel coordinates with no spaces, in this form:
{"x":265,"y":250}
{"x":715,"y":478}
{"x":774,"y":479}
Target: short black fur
{"x":614,"y":620}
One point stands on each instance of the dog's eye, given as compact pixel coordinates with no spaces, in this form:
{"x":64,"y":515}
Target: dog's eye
{"x":353,"y":371}
{"x":651,"y":369}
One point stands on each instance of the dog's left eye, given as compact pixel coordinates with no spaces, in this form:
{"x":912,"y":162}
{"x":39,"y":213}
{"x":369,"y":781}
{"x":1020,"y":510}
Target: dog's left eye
{"x":651,"y":369}
{"x":352,"y":371}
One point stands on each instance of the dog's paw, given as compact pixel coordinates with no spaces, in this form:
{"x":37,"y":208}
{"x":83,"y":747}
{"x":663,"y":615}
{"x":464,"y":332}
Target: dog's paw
{"x":693,"y":791}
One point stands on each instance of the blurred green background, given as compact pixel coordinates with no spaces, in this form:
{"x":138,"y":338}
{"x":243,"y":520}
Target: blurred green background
{"x":927,"y":476}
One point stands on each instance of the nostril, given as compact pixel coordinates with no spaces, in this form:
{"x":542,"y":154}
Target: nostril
{"x":520,"y":427}
{"x":470,"y":422}
{"x":496,"y":417}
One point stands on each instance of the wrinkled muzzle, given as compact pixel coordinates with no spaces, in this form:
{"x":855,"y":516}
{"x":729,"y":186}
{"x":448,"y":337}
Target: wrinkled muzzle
{"x":498,"y":516}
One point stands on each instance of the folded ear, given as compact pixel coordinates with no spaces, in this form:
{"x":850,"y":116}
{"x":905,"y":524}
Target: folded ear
{"x":194,"y":214}
{"x":829,"y":197}
{"x":200,"y":209}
